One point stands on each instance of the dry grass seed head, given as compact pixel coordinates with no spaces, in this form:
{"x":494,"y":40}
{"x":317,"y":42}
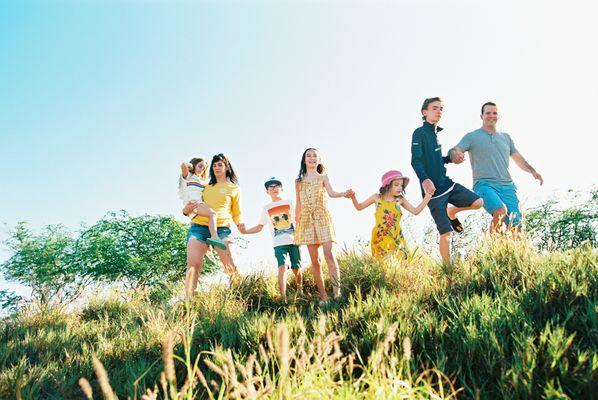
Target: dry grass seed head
{"x":164,"y":384}
{"x":150,"y":395}
{"x":86,"y":388}
{"x":231,"y":367}
{"x":407,"y":348}
{"x":103,"y":379}
{"x":202,"y":379}
{"x":214,"y":367}
{"x":269,"y":341}
{"x":390,"y":337}
{"x":167,"y":346}
{"x":263,"y":354}
{"x":283,"y":345}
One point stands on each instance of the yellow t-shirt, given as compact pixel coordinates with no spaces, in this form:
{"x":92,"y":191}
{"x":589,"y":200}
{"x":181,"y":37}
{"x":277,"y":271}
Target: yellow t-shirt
{"x":225,"y":200}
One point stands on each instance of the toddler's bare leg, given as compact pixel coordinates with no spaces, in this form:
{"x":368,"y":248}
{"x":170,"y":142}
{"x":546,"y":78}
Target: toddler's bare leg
{"x":205,"y":211}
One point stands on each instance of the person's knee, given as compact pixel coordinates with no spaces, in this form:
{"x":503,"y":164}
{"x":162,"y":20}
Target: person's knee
{"x":194,"y":263}
{"x":479,"y":203}
{"x":500,"y":213}
{"x":328,"y":255}
{"x":314,"y":258}
{"x":194,"y":270}
{"x":445,"y":236}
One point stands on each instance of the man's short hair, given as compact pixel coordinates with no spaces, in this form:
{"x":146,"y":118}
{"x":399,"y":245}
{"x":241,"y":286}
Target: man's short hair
{"x":427,"y":102}
{"x":488,"y":103}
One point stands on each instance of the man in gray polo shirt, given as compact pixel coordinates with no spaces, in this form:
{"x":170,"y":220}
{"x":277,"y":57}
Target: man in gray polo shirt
{"x":489,"y":152}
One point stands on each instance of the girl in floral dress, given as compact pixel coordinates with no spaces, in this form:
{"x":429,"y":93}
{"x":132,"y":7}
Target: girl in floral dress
{"x":387,"y":238}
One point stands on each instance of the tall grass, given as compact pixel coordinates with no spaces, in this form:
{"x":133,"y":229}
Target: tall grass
{"x":505,"y":322}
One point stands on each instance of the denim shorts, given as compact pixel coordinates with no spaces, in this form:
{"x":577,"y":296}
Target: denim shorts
{"x":202,"y":232}
{"x":498,"y":196}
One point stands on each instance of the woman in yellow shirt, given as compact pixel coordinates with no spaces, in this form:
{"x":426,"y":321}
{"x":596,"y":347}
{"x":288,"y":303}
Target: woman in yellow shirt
{"x":223,"y":196}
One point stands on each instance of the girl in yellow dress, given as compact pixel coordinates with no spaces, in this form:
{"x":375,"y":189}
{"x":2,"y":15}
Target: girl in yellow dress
{"x":314,"y":224}
{"x":387,"y":238}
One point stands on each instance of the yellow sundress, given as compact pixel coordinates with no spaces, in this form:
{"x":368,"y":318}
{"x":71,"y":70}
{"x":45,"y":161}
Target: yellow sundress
{"x":315,"y":224}
{"x":387,"y":237}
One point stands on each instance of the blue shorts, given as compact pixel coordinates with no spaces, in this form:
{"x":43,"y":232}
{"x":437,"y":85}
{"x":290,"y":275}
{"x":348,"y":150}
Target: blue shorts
{"x":202,"y":232}
{"x":498,"y":196}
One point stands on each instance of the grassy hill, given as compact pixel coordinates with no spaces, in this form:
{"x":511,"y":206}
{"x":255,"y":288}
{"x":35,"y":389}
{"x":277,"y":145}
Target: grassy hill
{"x":506,"y":323}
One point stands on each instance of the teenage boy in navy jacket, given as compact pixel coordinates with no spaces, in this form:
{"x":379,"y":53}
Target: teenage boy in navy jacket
{"x":428,"y":163}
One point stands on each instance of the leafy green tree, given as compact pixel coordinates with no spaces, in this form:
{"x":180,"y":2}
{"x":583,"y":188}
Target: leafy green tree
{"x":9,"y":302}
{"x":553,"y":227}
{"x":43,"y":262}
{"x":146,"y":252}
{"x":140,"y":252}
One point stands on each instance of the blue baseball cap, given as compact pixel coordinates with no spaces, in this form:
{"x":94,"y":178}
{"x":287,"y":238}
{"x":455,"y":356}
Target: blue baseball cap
{"x":272,"y":181}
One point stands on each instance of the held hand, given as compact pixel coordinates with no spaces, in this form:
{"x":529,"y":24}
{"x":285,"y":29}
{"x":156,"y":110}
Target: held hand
{"x":538,"y":177}
{"x":349,"y":193}
{"x":457,"y":156}
{"x":428,"y":186}
{"x":242,"y":229}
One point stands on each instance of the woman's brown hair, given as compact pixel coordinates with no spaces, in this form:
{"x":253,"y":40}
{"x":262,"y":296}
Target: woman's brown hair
{"x":230,"y":172}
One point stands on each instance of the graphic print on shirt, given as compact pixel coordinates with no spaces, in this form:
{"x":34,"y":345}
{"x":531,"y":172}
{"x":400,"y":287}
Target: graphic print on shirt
{"x":194,"y":184}
{"x":281,"y":219}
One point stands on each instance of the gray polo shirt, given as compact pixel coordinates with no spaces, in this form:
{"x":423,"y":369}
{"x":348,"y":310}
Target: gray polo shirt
{"x":489,"y":155}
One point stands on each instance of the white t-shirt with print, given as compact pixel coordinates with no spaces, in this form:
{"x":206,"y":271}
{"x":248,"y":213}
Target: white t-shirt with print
{"x":279,"y":216}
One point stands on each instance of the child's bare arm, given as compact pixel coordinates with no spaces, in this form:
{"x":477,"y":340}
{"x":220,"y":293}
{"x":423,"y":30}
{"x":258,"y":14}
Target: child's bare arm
{"x":331,"y":191}
{"x":415,"y":210}
{"x":297,"y":203}
{"x":366,"y":203}
{"x":255,"y":229}
{"x":184,"y":169}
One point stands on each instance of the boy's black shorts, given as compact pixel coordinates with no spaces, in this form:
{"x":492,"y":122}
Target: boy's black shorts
{"x":460,"y":196}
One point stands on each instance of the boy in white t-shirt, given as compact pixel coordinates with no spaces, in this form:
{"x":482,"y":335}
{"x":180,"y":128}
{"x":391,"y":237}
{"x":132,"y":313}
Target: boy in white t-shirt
{"x":278,"y":214}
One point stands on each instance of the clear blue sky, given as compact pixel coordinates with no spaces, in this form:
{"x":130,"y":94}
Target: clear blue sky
{"x":101,"y":101}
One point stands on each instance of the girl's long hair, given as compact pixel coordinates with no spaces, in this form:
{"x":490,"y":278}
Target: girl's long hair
{"x":230,"y":172}
{"x":196,"y":160}
{"x":303,"y":169}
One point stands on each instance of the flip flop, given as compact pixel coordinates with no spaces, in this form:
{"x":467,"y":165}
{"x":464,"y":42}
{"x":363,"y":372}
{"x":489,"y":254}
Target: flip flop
{"x":216,"y":243}
{"x":457,"y":225}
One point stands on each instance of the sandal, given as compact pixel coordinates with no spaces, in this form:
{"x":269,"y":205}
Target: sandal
{"x":457,"y":225}
{"x":216,"y":243}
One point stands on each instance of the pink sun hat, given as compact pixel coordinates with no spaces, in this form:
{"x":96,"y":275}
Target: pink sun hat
{"x":392,"y":175}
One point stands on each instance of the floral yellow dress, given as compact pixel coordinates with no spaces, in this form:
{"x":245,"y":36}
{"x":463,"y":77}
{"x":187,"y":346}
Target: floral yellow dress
{"x":315,"y":224}
{"x":387,"y":237}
